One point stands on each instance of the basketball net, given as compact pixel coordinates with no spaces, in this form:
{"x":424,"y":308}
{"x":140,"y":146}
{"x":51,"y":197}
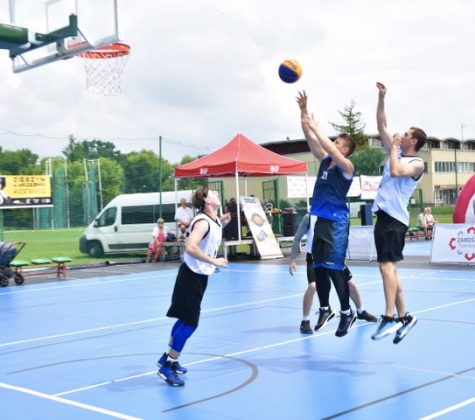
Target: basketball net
{"x":104,"y":68}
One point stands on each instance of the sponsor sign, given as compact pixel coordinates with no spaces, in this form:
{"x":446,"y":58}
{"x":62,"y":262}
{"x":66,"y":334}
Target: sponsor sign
{"x":369,"y":186}
{"x":453,"y":243}
{"x":260,"y":228}
{"x":17,"y":191}
{"x":296,"y":187}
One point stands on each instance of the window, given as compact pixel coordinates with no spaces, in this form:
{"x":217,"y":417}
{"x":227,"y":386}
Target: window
{"x":138,"y":214}
{"x":107,"y":218}
{"x":147,"y":214}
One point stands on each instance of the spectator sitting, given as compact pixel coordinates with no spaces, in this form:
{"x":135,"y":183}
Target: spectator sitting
{"x":426,"y":221}
{"x":159,"y":235}
{"x":183,"y":217}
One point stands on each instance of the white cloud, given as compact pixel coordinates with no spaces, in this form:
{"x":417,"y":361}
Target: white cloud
{"x":200,"y":72}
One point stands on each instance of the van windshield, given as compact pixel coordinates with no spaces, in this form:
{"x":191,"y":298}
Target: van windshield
{"x":107,"y":218}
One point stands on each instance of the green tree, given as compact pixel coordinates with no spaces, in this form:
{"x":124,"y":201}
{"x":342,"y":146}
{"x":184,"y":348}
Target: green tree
{"x":91,"y":149}
{"x":76,"y":184}
{"x":141,"y":173}
{"x":112,"y":175}
{"x":189,"y":183}
{"x":368,"y":161}
{"x":353,"y":125}
{"x":19,"y":162}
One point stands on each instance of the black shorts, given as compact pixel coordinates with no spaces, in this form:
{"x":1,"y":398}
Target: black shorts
{"x":330,"y":243}
{"x":311,"y":270}
{"x":389,"y":234}
{"x":187,"y":296}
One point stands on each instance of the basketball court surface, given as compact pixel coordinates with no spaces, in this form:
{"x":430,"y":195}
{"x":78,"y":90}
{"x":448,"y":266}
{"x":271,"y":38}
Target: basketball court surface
{"x":87,"y":347}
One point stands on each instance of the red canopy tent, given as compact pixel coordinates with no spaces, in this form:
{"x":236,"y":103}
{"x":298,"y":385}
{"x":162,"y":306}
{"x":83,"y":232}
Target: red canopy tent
{"x":243,"y":157}
{"x":240,"y":157}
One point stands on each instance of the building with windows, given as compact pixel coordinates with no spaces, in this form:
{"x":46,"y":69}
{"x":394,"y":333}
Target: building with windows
{"x":449,"y":165}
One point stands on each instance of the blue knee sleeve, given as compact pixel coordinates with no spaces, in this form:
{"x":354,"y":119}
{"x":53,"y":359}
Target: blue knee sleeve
{"x":177,"y":325}
{"x":182,"y":333}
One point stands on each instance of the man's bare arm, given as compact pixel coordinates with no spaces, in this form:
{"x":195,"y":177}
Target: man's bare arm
{"x":305,"y":119}
{"x":330,"y":148}
{"x":386,"y":136}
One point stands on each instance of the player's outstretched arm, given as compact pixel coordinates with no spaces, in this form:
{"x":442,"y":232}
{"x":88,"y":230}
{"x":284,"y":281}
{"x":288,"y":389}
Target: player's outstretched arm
{"x":330,"y":148}
{"x":305,"y":118}
{"x":386,"y":136}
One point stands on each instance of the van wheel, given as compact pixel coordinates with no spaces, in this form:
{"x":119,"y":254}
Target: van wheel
{"x":94,"y":249}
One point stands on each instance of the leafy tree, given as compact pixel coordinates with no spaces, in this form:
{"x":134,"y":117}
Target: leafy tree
{"x":91,"y":149}
{"x":368,"y":161}
{"x":189,"y":183}
{"x":141,"y":173}
{"x":19,"y":162}
{"x":111,"y":178}
{"x":353,"y":125}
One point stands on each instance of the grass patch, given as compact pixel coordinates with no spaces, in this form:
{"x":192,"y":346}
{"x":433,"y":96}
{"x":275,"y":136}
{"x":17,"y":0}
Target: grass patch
{"x":49,"y":243}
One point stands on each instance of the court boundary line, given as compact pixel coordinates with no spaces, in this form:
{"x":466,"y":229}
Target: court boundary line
{"x":65,"y":401}
{"x":395,"y":395}
{"x":254,"y":349}
{"x":143,"y":321}
{"x":448,"y":409}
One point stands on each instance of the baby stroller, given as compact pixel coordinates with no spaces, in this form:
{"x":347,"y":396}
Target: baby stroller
{"x":8,"y":251}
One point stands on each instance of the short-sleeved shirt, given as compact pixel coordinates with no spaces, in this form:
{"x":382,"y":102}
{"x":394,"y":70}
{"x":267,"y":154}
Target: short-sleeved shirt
{"x":184,"y":214}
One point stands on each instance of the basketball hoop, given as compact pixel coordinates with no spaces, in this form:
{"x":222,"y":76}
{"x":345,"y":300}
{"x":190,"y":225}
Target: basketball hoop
{"x":104,"y":68}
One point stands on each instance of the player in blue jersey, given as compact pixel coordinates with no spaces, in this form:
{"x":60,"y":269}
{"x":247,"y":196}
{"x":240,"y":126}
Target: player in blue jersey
{"x":331,"y":231}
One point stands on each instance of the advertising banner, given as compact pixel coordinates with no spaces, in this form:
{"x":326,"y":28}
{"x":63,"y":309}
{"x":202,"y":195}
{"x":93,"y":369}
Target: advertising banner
{"x":453,"y":243}
{"x":369,"y":186}
{"x":17,"y":191}
{"x":260,"y":228}
{"x":296,"y":187}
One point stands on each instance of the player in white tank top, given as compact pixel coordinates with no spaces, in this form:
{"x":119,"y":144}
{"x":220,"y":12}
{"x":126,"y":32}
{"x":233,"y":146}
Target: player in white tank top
{"x":399,"y":181}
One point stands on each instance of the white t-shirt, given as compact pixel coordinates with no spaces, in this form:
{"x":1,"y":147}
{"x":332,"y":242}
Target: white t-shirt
{"x":184,"y":214}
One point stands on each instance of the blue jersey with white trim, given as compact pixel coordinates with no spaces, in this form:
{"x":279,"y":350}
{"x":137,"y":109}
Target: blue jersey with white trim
{"x":329,"y":193}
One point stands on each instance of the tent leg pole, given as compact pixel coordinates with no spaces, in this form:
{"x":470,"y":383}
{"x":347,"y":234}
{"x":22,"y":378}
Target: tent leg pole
{"x":238,"y":206}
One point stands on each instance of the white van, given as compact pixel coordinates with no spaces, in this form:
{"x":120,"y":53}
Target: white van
{"x":127,"y":222}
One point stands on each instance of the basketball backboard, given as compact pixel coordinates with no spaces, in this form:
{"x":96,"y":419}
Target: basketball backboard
{"x":97,"y":26}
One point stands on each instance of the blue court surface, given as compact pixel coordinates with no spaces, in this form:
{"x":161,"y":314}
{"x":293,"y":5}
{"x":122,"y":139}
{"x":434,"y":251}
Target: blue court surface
{"x":86,"y":349}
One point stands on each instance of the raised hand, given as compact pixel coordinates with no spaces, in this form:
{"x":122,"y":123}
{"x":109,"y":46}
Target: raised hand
{"x":382,"y":89}
{"x":302,"y":99}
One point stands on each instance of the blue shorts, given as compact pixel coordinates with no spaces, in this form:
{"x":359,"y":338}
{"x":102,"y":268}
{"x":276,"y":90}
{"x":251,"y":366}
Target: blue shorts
{"x":330,"y":243}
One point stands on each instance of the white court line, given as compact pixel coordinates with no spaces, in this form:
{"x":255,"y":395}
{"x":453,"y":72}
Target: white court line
{"x":82,"y":284}
{"x":239,"y":353}
{"x":129,"y":277}
{"x":198,"y":362}
{"x":144,"y":321}
{"x":68,"y":402}
{"x":448,"y":409}
{"x":421,"y":311}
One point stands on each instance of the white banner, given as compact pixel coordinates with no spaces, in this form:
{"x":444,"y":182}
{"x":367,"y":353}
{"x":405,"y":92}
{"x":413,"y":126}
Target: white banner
{"x":361,"y":243}
{"x":296,"y":187}
{"x":453,"y":243}
{"x":260,"y":228}
{"x":355,"y":188}
{"x":369,"y":186}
